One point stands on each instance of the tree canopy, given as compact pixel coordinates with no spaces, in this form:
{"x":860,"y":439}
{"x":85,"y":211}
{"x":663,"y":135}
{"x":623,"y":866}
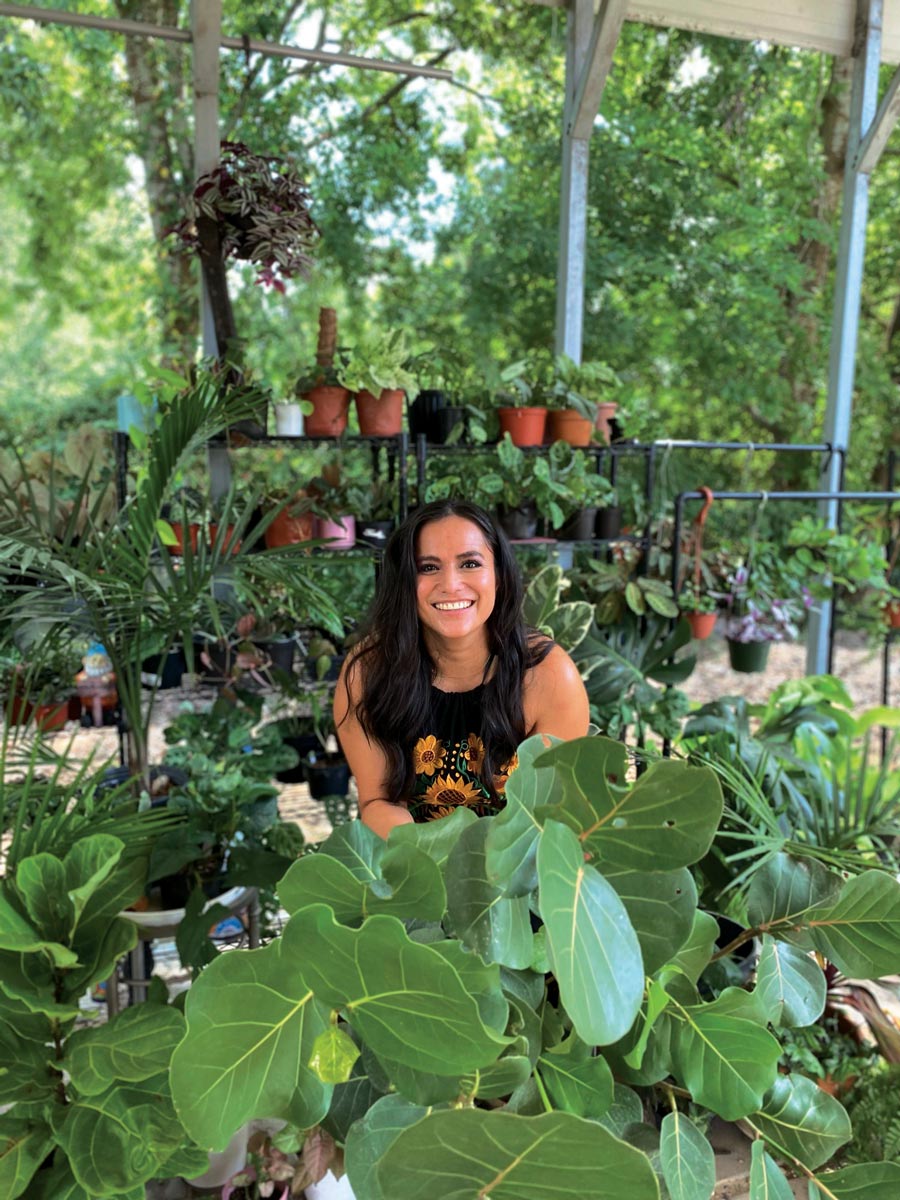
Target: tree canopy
{"x":716,"y":170}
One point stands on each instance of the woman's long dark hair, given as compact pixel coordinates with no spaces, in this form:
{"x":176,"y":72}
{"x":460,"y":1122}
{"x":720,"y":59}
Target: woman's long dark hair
{"x":397,"y":671}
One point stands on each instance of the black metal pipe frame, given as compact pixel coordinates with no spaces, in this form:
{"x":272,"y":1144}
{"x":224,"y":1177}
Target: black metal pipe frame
{"x":889,"y":639}
{"x":887,"y":497}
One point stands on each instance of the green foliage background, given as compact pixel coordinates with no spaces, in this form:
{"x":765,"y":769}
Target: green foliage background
{"x":712,"y":211}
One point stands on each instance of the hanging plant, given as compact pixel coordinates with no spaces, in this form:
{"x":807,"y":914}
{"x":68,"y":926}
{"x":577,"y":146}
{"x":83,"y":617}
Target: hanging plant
{"x":253,"y":208}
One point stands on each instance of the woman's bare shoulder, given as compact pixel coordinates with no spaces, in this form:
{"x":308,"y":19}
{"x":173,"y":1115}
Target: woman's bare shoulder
{"x":554,"y":696}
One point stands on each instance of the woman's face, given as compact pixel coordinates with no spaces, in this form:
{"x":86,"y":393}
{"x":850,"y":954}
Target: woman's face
{"x":456,"y":586}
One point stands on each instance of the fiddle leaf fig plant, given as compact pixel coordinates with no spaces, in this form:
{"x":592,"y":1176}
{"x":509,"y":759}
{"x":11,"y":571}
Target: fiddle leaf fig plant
{"x":488,"y":1044}
{"x":88,"y":1111}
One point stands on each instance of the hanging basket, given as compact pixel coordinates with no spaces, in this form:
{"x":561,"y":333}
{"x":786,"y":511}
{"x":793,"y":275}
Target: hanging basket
{"x":702,"y":624}
{"x":748,"y":657}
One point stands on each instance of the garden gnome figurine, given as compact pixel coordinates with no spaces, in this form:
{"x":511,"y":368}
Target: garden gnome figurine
{"x":96,"y":684}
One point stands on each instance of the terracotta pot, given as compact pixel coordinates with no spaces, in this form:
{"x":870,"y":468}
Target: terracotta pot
{"x":524,"y":425}
{"x":382,"y":415}
{"x":892,"y":614}
{"x":568,"y":425}
{"x":285,"y":530}
{"x":342,"y":531}
{"x":605,"y":413}
{"x":229,"y":541}
{"x":702,"y":624}
{"x":49,"y":717}
{"x":748,"y":657}
{"x":330,"y":408}
{"x":178,"y":531}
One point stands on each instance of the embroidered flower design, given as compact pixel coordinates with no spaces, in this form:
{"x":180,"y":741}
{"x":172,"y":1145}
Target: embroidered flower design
{"x":505,"y":771}
{"x":428,"y":755}
{"x":448,"y":793}
{"x":475,"y":753}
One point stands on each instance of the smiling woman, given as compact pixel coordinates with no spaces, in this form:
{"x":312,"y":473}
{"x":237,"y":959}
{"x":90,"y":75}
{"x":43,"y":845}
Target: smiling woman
{"x":448,"y":680}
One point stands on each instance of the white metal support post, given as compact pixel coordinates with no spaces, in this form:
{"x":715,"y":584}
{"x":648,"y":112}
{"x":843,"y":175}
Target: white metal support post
{"x":206,"y":36}
{"x":848,"y":289}
{"x":590,"y":44}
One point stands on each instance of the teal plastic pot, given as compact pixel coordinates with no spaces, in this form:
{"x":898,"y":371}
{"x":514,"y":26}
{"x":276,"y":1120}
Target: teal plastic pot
{"x":748,"y":657}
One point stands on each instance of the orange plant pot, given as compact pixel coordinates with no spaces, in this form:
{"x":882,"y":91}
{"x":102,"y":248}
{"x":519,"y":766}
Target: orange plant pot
{"x":892,"y":614}
{"x":702,"y":624}
{"x":382,"y":415}
{"x":285,"y":530}
{"x":229,"y":542}
{"x":525,"y":426}
{"x":567,"y":425}
{"x":331,"y":406}
{"x":178,"y":531}
{"x":605,"y":413}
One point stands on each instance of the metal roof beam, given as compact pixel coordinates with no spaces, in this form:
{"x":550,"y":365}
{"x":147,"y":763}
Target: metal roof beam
{"x":53,"y":16}
{"x":596,"y":66}
{"x":880,"y":130}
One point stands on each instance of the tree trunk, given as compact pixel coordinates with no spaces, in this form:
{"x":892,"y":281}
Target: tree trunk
{"x":157,"y":86}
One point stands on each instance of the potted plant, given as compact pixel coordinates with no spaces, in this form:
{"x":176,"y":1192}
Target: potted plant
{"x":377,"y":373}
{"x":758,"y":613}
{"x":573,"y":400}
{"x":524,"y":421}
{"x":339,"y":496}
{"x":325,"y":399}
{"x":38,"y":691}
{"x":325,"y":768}
{"x":252,"y":208}
{"x":377,"y":513}
{"x":434,"y":1035}
{"x":588,"y":491}
{"x":699,"y":610}
{"x":436,"y":410}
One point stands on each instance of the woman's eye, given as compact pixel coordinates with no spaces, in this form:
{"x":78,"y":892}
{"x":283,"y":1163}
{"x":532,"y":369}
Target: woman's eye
{"x":426,"y":568}
{"x":472,"y":562}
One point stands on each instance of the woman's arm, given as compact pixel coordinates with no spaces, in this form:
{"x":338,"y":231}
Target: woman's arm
{"x":367,"y":761}
{"x":555,"y":699}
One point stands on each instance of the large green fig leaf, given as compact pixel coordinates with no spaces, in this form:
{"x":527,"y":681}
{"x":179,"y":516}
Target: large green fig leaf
{"x":404,"y":1000}
{"x":687,"y":1159}
{"x":58,"y":1183}
{"x":251,"y":1025}
{"x":98,"y":957}
{"x":435,"y":838}
{"x":583,"y":1088}
{"x":783,"y":890}
{"x":41,"y":882}
{"x":694,"y":955}
{"x":16,"y":933}
{"x":467,"y":1153}
{"x":727,"y":1062}
{"x":134,"y":1045}
{"x":791,"y":983}
{"x":802,"y":1121}
{"x":357,"y":847}
{"x":480,"y":979}
{"x":513,"y":833}
{"x":88,"y":865}
{"x":664,"y":821}
{"x":594,"y":950}
{"x":119,"y":1139}
{"x":25,"y":1074}
{"x":864,"y":1181}
{"x":351,"y":1101}
{"x":860,"y":931}
{"x":26,"y":1024}
{"x":494,"y":926}
{"x":29,"y":981}
{"x":407,"y":883}
{"x":370,"y":1138}
{"x":661,"y":907}
{"x":23,"y":1147}
{"x":626,"y":1109}
{"x":767,"y":1181}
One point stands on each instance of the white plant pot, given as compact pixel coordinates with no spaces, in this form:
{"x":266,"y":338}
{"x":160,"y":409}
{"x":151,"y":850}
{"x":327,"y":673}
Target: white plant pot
{"x":329,"y":1188}
{"x":288,"y":420}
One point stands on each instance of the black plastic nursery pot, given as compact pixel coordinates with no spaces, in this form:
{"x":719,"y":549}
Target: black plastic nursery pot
{"x":374,"y":533}
{"x":167,"y":671}
{"x":608,"y":523}
{"x":327,"y":777}
{"x":280,"y":653}
{"x":748,"y":657}
{"x":579,"y":527}
{"x":519,"y":523}
{"x":295,"y":732}
{"x":423,"y":413}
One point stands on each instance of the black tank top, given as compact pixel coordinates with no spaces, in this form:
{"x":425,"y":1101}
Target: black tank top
{"x":447,"y":758}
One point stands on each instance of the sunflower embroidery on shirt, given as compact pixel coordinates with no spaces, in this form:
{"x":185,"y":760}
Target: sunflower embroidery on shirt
{"x":505,"y":771}
{"x":428,"y":755}
{"x":474,"y":754}
{"x":447,"y":793}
